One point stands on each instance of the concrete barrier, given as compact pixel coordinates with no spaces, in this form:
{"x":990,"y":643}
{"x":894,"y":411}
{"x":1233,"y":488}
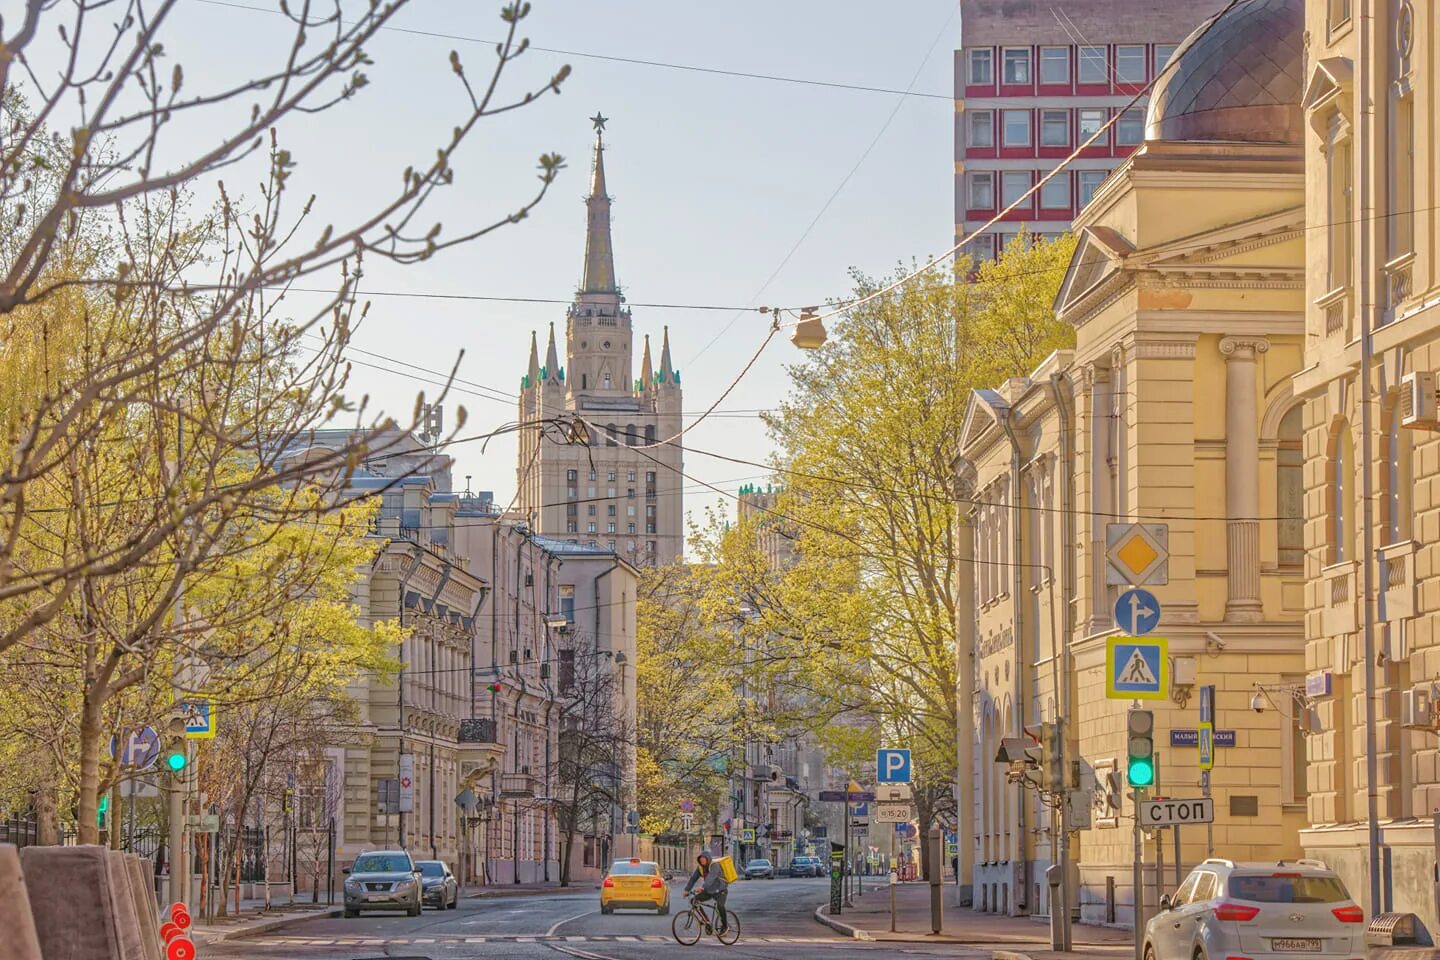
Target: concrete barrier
{"x":72,"y":903}
{"x":20,"y":941}
{"x":142,"y":889}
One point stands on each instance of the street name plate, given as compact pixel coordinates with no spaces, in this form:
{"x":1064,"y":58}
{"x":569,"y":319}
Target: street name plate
{"x":1174,"y":812}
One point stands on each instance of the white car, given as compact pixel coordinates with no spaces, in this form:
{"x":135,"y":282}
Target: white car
{"x":1257,"y":911}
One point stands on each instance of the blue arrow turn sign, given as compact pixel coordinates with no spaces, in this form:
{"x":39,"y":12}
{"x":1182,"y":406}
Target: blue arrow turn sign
{"x":1137,"y":612}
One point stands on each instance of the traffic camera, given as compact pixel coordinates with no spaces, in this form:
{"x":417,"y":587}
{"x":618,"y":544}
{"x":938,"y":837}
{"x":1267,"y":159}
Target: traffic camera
{"x":1140,"y":749}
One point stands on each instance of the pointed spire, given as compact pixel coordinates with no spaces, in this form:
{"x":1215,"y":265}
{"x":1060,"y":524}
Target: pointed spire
{"x":667,"y":372}
{"x":552,"y":361}
{"x":647,"y":372}
{"x":599,"y":255}
{"x":533,"y":372}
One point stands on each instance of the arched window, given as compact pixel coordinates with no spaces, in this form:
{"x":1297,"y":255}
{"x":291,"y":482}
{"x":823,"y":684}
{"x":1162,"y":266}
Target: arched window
{"x":1290,"y":490}
{"x":609,"y":434}
{"x":650,"y":433}
{"x":1397,"y":503}
{"x":1341,"y":514}
{"x":630,"y":435}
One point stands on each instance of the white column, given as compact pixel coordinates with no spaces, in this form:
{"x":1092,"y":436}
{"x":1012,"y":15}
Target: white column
{"x":1242,"y":478}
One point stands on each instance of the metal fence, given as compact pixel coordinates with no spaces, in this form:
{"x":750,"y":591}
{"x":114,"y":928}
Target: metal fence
{"x":22,"y":831}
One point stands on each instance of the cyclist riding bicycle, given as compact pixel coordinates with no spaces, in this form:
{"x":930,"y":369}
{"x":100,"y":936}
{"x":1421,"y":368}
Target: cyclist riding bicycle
{"x":712,"y":887}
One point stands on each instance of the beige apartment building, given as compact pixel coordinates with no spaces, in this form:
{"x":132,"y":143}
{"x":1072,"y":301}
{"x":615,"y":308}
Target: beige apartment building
{"x":1371,"y":450}
{"x":1175,"y":408}
{"x":594,"y":463}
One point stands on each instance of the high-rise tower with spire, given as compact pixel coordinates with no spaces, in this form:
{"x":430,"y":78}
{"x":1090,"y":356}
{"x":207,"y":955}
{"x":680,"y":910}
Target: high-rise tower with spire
{"x":623,"y":490}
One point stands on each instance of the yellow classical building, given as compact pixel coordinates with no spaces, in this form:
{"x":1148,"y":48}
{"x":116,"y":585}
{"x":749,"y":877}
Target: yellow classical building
{"x":1372,"y":454}
{"x":1175,"y":408}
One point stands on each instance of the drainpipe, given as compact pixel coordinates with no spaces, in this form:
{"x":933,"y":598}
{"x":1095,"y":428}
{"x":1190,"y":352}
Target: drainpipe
{"x":1061,"y":667}
{"x":1369,"y":308}
{"x":598,"y":577}
{"x":1017,"y":586}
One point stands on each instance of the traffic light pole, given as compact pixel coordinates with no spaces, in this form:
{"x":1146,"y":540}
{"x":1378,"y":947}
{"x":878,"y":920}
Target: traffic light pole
{"x":1138,"y":880}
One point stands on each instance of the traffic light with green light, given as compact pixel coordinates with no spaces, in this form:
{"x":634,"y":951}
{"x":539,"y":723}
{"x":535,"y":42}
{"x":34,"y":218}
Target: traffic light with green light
{"x":175,"y":756}
{"x":1140,"y":749}
{"x":102,"y":810}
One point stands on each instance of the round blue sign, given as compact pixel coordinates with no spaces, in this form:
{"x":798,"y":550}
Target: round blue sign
{"x":1137,"y":612}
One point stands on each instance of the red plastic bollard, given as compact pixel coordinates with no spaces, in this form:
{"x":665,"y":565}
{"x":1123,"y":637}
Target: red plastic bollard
{"x":168,"y":930}
{"x":180,"y":916}
{"x":181,"y":948}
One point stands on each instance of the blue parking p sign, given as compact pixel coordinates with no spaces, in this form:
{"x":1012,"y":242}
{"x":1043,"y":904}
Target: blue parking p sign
{"x":892,"y":766}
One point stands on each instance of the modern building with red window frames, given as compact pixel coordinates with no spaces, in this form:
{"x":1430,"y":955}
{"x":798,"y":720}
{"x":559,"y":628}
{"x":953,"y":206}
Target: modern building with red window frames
{"x":1033,"y":79}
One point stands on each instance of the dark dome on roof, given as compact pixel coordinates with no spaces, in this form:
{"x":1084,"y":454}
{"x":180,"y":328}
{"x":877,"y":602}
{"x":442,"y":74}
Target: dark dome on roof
{"x":1240,"y":80}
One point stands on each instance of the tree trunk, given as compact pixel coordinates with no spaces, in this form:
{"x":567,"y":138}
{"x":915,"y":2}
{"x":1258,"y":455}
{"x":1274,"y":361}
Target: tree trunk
{"x":47,"y":813}
{"x":87,"y":827}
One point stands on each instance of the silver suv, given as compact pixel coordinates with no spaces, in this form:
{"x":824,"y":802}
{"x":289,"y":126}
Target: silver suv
{"x":383,"y":880}
{"x":1260,"y":911}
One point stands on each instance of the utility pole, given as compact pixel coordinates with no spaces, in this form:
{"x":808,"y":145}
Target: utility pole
{"x":1368,"y":297}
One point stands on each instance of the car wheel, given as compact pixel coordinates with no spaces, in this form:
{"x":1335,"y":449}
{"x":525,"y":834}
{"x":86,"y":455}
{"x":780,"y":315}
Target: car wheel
{"x":413,"y":911}
{"x":607,"y":910}
{"x":455,"y":901}
{"x":351,"y":914}
{"x":663,"y":911}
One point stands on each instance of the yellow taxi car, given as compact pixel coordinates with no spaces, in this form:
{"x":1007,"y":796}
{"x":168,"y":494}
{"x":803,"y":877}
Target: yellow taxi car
{"x":635,"y":884}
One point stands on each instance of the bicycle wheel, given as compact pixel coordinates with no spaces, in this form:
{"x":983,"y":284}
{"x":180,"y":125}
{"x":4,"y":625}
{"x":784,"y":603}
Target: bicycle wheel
{"x":686,"y":928}
{"x":732,"y":931}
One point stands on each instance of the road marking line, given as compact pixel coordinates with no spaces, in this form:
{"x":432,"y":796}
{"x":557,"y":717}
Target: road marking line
{"x":560,"y":923}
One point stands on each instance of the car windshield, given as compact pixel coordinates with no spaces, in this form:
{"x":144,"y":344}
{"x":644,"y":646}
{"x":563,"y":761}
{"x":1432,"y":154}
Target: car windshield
{"x":625,"y":868}
{"x":759,"y":863}
{"x":1287,"y":888}
{"x":382,"y":863}
{"x":431,"y":868}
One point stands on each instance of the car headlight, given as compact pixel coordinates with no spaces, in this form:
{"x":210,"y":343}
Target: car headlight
{"x":352,"y":884}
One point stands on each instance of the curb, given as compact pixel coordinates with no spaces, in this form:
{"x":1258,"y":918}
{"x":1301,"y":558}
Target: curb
{"x":1008,"y":955}
{"x":264,"y":926}
{"x":824,"y":919}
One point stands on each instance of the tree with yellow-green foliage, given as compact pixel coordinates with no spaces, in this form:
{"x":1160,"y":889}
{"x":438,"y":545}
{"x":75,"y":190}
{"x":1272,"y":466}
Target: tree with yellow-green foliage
{"x":858,"y":629}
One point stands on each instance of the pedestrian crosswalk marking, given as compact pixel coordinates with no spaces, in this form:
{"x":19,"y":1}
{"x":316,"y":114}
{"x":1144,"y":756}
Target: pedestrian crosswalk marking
{"x":520,"y":938}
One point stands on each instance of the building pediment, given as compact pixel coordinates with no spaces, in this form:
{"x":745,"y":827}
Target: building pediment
{"x":1098,"y":258}
{"x":982,"y":419}
{"x":1223,"y":250}
{"x":1329,"y":78}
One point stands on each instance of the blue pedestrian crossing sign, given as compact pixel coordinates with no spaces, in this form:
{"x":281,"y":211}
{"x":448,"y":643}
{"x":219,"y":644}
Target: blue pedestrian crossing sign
{"x":1207,"y":746}
{"x":1137,"y":668}
{"x":1137,"y":612}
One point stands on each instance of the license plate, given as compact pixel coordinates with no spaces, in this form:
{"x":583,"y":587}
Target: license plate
{"x":1294,"y":945}
{"x":378,"y":896}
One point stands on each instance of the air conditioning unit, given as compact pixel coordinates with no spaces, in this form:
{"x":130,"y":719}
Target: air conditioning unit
{"x":1417,"y":708}
{"x":1418,"y":401}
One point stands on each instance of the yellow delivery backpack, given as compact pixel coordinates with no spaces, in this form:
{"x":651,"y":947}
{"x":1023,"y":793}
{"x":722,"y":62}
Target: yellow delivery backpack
{"x":727,"y":869}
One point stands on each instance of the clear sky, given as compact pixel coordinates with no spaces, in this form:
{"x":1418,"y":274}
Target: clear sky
{"x":714,"y":177}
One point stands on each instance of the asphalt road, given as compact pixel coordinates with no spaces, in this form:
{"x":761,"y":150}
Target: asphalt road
{"x":776,"y":922}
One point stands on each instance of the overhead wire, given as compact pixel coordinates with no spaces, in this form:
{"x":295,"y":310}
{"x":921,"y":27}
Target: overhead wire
{"x":814,"y":221}
{"x":634,"y":61}
{"x":838,"y":307}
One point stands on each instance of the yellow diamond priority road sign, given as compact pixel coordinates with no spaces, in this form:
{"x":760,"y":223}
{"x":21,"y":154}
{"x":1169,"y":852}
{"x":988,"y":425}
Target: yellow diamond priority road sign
{"x":1137,"y":554}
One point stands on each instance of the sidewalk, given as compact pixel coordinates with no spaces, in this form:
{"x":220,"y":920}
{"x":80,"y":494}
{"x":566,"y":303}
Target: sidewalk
{"x":869,"y":919}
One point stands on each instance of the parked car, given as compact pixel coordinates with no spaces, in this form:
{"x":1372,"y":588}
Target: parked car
{"x":382,"y":880}
{"x":759,"y":867}
{"x":806,"y":867}
{"x":438,"y":886}
{"x":635,"y":884}
{"x":1263,"y":911}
